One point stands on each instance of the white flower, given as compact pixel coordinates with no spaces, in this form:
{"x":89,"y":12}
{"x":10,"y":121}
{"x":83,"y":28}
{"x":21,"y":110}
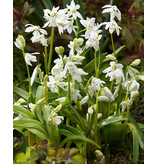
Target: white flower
{"x":90,"y":26}
{"x":134,"y":94}
{"x":51,"y":17}
{"x":20,"y":42}
{"x":91,"y":91}
{"x":113,"y":10}
{"x":93,"y":40}
{"x":132,"y":71}
{"x":61,"y":99}
{"x":84,"y":100}
{"x":55,"y":118}
{"x":19,"y":102}
{"x":125,"y":104}
{"x":107,"y":95}
{"x":112,"y":25}
{"x":70,"y":27}
{"x":134,"y":86}
{"x":75,"y":94}
{"x":32,"y":106}
{"x":75,"y":45}
{"x":103,"y":98}
{"x":97,"y":83}
{"x":29,"y":57}
{"x":114,"y":72}
{"x":90,"y":110}
{"x":73,"y":10}
{"x":36,"y":29}
{"x":53,"y":84}
{"x":74,"y":71}
{"x":99,"y":115}
{"x":38,"y":34}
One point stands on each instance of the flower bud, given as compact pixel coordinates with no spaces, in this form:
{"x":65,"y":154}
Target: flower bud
{"x":39,"y":70}
{"x":46,"y":78}
{"x":110,"y":57}
{"x":134,"y":94}
{"x":99,"y":155}
{"x":79,"y":41}
{"x":58,"y":108}
{"x":41,"y":76}
{"x":141,"y":77}
{"x":84,"y":100}
{"x":103,"y":98}
{"x":32,"y":106}
{"x":135,"y":62}
{"x":59,"y":50}
{"x":20,"y":42}
{"x":90,"y":110}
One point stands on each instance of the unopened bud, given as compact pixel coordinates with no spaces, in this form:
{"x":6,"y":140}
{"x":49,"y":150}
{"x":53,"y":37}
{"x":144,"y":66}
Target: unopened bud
{"x":134,"y":94}
{"x":39,"y":70}
{"x":110,"y":57}
{"x":141,"y":77}
{"x":99,"y":155}
{"x":20,"y":42}
{"x":58,"y":108}
{"x":41,"y":76}
{"x":59,"y":50}
{"x":135,"y":62}
{"x":79,"y":41}
{"x":46,"y":78}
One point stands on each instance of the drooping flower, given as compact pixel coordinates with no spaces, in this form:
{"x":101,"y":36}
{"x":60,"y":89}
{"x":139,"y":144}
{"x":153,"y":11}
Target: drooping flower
{"x":73,"y":10}
{"x":20,"y":42}
{"x":84,"y":100}
{"x":97,"y":83}
{"x":113,"y":10}
{"x":112,"y":25}
{"x":29,"y":57}
{"x":114,"y":72}
{"x":125,"y":104}
{"x":75,"y":93}
{"x":106,"y":95}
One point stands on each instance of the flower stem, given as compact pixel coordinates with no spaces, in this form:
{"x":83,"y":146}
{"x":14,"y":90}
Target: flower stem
{"x":95,"y":120}
{"x":77,"y":24}
{"x":28,"y":74}
{"x":99,"y":60}
{"x":95,"y":63}
{"x":113,"y":44}
{"x":51,"y":49}
{"x":68,"y":86}
{"x":45,"y":59}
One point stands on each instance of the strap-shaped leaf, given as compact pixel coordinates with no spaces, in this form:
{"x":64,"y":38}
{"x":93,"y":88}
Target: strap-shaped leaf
{"x":73,"y":137}
{"x":24,"y":94}
{"x":40,"y":93}
{"x":90,"y":66}
{"x":135,"y":141}
{"x":23,"y":111}
{"x":48,"y":4}
{"x":38,"y":133}
{"x":34,"y":74}
{"x":140,"y":133}
{"x":110,"y":120}
{"x":30,"y":123}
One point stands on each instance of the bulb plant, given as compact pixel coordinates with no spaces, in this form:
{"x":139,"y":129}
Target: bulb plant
{"x":85,"y":106}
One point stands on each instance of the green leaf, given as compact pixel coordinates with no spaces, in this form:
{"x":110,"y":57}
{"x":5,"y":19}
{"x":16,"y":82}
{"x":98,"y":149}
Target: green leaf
{"x":48,"y":4}
{"x":80,"y":118}
{"x":72,"y":129}
{"x":34,"y":74}
{"x":23,"y":111}
{"x":20,"y":157}
{"x":24,"y":94}
{"x":38,"y":133}
{"x":135,"y":141}
{"x":40,"y":93}
{"x":119,"y":50}
{"x":30,"y":123}
{"x":73,"y":137}
{"x":90,"y":66}
{"x":110,"y":120}
{"x":140,"y":133}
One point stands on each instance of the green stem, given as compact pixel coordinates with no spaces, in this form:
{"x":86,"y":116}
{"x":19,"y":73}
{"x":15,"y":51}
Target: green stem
{"x":95,"y":63}
{"x":99,"y":60}
{"x":51,"y":49}
{"x":113,"y":44}
{"x":68,"y":86}
{"x":28,"y":74}
{"x":95,"y":120}
{"x":45,"y":59}
{"x":77,"y":24}
{"x":129,"y":107}
{"x":126,"y":97}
